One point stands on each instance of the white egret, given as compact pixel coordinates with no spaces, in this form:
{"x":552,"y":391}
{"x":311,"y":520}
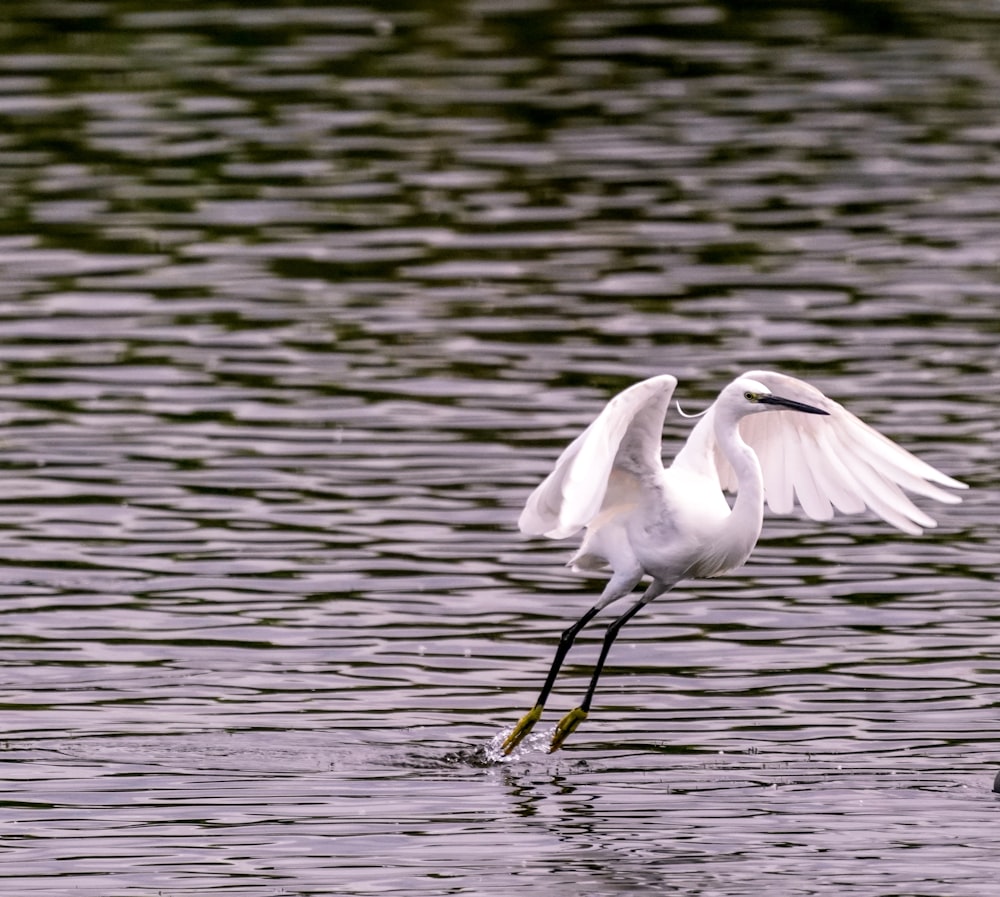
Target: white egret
{"x":675,"y":523}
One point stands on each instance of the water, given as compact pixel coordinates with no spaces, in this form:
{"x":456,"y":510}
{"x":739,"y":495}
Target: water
{"x":297,"y":305}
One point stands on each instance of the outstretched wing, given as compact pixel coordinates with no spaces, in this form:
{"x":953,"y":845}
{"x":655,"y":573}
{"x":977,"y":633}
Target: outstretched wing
{"x":627,"y":435}
{"x":834,"y":462}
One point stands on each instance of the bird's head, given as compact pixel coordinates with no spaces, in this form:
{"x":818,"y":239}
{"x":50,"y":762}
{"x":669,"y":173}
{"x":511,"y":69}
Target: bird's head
{"x":748,"y":396}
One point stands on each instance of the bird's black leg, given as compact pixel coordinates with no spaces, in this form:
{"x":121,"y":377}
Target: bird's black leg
{"x":566,"y":640}
{"x":567,"y":725}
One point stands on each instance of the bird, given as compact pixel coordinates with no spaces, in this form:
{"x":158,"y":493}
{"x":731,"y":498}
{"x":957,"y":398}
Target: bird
{"x":768,"y":438}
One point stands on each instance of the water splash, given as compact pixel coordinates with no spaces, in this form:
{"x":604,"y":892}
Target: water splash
{"x":534,"y":743}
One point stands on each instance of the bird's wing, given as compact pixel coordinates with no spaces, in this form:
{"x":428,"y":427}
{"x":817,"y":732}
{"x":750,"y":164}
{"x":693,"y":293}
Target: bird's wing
{"x":626,"y":435}
{"x":834,"y":462}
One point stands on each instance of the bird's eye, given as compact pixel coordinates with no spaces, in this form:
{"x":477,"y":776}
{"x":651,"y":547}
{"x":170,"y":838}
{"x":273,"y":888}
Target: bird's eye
{"x":750,"y":396}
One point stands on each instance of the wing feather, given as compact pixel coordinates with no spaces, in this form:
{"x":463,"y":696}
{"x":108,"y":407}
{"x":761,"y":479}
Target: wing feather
{"x":834,"y":462}
{"x":881,"y":493}
{"x":803,"y":477}
{"x":781,"y":498}
{"x":838,"y":480}
{"x":626,"y":434}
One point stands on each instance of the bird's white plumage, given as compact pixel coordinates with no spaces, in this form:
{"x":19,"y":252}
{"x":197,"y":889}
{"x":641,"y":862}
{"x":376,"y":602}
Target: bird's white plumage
{"x":822,"y":463}
{"x":572,"y":495}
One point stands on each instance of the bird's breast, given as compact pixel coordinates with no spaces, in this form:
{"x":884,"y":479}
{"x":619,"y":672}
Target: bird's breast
{"x":685,"y":530}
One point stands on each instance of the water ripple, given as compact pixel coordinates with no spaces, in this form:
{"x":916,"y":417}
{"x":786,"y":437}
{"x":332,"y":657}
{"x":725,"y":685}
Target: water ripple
{"x":298,"y":304}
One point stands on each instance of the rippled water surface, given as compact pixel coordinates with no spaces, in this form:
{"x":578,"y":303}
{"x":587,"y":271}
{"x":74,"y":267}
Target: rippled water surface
{"x":297,"y":304}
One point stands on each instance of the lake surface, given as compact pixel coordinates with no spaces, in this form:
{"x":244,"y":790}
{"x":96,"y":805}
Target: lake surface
{"x":297,"y":305}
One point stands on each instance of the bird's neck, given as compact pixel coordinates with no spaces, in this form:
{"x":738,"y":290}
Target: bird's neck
{"x":747,"y":517}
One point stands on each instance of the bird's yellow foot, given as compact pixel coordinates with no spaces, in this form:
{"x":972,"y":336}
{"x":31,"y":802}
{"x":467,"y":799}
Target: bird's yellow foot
{"x":521,"y":730}
{"x":567,"y":726}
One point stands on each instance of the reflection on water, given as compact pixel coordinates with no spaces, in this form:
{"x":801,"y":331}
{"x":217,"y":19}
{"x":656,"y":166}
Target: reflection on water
{"x":298,"y":303}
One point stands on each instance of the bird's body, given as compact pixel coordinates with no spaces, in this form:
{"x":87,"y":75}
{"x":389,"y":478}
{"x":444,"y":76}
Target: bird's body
{"x":675,"y":523}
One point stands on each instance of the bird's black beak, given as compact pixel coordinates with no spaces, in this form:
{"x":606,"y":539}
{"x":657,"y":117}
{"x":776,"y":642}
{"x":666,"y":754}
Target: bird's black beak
{"x":791,"y":404}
